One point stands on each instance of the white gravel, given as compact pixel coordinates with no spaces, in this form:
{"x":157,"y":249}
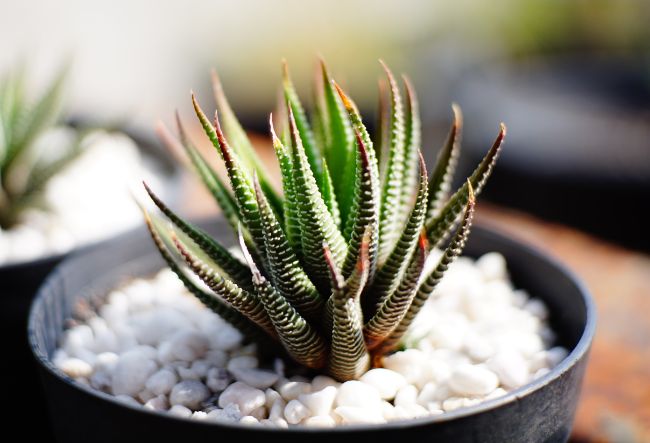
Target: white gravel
{"x":88,"y":201}
{"x":154,"y":345}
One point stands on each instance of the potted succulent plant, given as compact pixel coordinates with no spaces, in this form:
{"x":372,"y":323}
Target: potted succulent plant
{"x":319,"y":323}
{"x":51,"y":190}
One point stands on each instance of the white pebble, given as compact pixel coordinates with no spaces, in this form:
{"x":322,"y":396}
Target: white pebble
{"x":473,"y":380}
{"x":292,"y":389}
{"x":188,"y":345}
{"x":189,"y":393}
{"x":357,"y":394}
{"x":199,"y":415}
{"x":492,"y":266}
{"x":230,"y":413}
{"x":159,"y":403}
{"x":355,"y":414}
{"x":555,"y":356}
{"x":277,"y":409}
{"x":320,"y":421}
{"x":75,"y":368}
{"x":217,"y":379}
{"x":180,"y":411}
{"x":295,"y":412}
{"x":132,"y":372}
{"x":244,"y":396}
{"x":406,"y":396}
{"x":320,"y":402}
{"x":510,"y":367}
{"x":161,"y":382}
{"x":536,"y":308}
{"x":257,"y":378}
{"x":387,"y":382}
{"x":249,"y":420}
{"x":243,"y":362}
{"x":322,"y":381}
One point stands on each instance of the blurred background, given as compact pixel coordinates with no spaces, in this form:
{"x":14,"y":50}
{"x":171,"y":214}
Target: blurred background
{"x":570,"y":78}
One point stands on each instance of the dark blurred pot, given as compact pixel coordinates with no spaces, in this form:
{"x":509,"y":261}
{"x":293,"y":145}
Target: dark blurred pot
{"x":19,"y":282}
{"x":578,"y":148}
{"x":541,"y":411}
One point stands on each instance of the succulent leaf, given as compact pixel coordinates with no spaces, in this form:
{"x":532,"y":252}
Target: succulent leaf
{"x":390,"y":274}
{"x":291,"y":217}
{"x":316,"y":223}
{"x":339,"y":147}
{"x":209,"y":177}
{"x":429,"y":282}
{"x":364,"y":214}
{"x":299,"y":338}
{"x":242,"y":144}
{"x":243,"y":301}
{"x":239,"y":180}
{"x":349,"y":357}
{"x":229,"y":314}
{"x":438,"y":226}
{"x":392,"y":310}
{"x":442,"y":175}
{"x":412,"y":146}
{"x":302,"y":125}
{"x":286,"y":273}
{"x":229,"y":265}
{"x":327,"y":191}
{"x":389,"y":219}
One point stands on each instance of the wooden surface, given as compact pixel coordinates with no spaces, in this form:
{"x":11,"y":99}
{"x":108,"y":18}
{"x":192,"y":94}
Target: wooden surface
{"x":615,"y":402}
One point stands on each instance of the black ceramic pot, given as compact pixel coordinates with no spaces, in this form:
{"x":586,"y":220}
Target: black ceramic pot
{"x":18,"y":284}
{"x":541,"y":411}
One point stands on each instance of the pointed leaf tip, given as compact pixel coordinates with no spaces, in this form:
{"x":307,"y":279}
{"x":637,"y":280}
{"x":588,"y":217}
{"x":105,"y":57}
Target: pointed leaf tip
{"x":344,"y":98}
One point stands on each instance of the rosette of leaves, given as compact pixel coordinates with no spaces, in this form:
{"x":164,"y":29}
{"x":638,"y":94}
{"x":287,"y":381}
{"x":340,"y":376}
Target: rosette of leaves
{"x":335,"y":267}
{"x":25,"y":169}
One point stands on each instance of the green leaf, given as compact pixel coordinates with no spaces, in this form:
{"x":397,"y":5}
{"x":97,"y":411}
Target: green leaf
{"x":382,"y":134}
{"x":243,"y":301}
{"x":239,"y":180}
{"x":286,"y":273}
{"x":389,"y":275}
{"x":443,"y":173}
{"x":393,"y":308}
{"x":429,"y":282}
{"x":34,"y":119}
{"x":439,"y":226}
{"x":349,"y":358}
{"x":316,"y":223}
{"x":339,"y":147}
{"x":365,"y":205}
{"x":291,"y":217}
{"x":302,"y":124}
{"x":327,"y":190}
{"x":232,"y":316}
{"x":229,"y":265}
{"x":389,"y":219}
{"x":298,"y":337}
{"x":412,"y":146}
{"x":209,"y":177}
{"x":241,"y":144}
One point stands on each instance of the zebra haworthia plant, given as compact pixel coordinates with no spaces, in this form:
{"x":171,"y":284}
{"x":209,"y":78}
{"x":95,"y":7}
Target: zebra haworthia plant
{"x":24,"y":169}
{"x":335,"y":265}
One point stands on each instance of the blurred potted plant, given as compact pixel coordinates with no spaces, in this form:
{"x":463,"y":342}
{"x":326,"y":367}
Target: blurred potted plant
{"x":54,"y":198}
{"x":334,"y":274}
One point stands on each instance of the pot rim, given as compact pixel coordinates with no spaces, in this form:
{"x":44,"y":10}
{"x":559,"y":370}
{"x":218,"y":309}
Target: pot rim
{"x":576,"y":354}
